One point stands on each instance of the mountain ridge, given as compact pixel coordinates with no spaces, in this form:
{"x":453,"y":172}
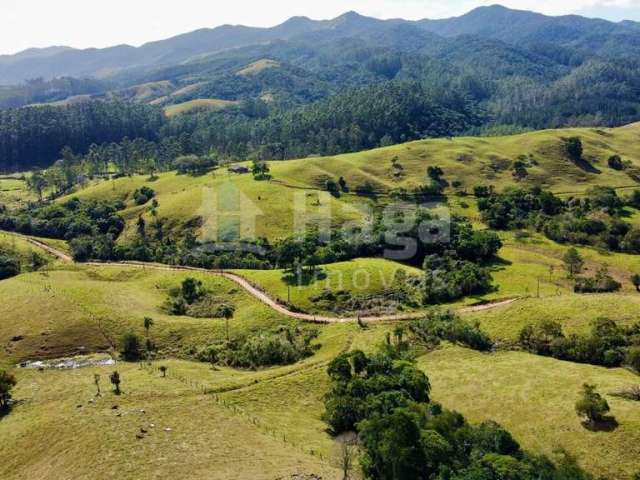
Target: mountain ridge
{"x":495,"y":22}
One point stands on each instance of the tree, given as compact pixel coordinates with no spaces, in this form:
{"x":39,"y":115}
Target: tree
{"x":574,"y":148}
{"x":633,"y":358}
{"x":7,"y":382}
{"x":96,"y":381}
{"x":148,"y":323}
{"x":163,"y":371}
{"x":191,"y":290}
{"x":332,"y":188}
{"x":115,"y":381}
{"x":131,"y":347}
{"x":260,"y":170}
{"x":9,"y":266}
{"x":227,"y":311}
{"x":573,"y":262}
{"x":37,"y":183}
{"x":141,"y":227}
{"x":591,"y":405}
{"x":345,"y":452}
{"x":615,"y":162}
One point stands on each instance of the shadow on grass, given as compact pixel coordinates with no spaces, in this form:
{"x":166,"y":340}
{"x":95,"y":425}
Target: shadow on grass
{"x":304,"y":278}
{"x":607,"y":424}
{"x":586,"y":166}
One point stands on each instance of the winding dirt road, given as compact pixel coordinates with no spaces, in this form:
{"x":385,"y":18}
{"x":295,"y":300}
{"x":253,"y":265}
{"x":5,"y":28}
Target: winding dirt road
{"x":260,"y":294}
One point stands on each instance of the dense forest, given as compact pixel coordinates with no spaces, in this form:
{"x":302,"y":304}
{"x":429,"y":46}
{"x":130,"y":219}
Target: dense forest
{"x":361,"y":118}
{"x":35,"y":136}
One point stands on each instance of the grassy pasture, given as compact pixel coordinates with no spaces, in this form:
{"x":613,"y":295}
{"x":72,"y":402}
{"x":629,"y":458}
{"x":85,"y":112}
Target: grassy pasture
{"x":14,"y":192}
{"x":470,"y":161}
{"x":258,"y":66}
{"x":82,"y":309}
{"x":198,"y":104}
{"x":475,"y":161}
{"x":533,"y":397}
{"x":363,"y":276}
{"x":268,"y":208}
{"x":57,"y":433}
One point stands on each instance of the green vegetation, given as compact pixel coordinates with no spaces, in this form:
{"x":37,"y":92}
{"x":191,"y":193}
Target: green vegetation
{"x":591,"y":405}
{"x":607,"y":344}
{"x":385,"y":398}
{"x":282,"y":346}
{"x":534,"y":398}
{"x":7,"y":382}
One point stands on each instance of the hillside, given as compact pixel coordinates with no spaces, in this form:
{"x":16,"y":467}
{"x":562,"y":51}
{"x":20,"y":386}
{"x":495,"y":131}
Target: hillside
{"x":467,"y":161}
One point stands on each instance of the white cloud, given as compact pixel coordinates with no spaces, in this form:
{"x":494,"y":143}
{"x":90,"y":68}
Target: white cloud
{"x":81,"y":23}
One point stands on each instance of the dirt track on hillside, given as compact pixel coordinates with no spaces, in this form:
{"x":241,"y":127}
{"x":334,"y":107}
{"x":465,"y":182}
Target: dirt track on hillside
{"x":263,"y":296}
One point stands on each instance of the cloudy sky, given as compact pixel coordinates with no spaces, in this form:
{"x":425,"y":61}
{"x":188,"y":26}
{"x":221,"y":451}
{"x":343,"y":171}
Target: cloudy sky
{"x":100,"y":23}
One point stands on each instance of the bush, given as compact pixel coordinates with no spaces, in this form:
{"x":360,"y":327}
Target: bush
{"x":131,"y":348}
{"x":607,"y":344}
{"x":591,"y":405}
{"x":9,"y":266}
{"x":194,"y":165}
{"x":143,"y":195}
{"x":574,"y":149}
{"x":282,"y":346}
{"x":601,"y":283}
{"x":615,"y":162}
{"x":438,"y":325}
{"x":447,"y":279}
{"x":7,"y":382}
{"x":633,"y":358}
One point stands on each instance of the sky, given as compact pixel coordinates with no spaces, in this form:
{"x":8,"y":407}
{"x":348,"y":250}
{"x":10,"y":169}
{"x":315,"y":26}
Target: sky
{"x":98,"y":23}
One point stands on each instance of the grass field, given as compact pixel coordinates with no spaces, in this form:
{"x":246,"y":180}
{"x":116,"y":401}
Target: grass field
{"x":198,"y":104}
{"x":83,"y":309}
{"x":258,"y":66}
{"x":473,"y":161}
{"x":56,"y":433}
{"x":14,"y":192}
{"x":267,"y":209}
{"x":534,"y":397}
{"x":363,"y":276}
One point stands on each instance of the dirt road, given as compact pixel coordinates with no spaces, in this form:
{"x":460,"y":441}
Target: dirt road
{"x":263,"y":296}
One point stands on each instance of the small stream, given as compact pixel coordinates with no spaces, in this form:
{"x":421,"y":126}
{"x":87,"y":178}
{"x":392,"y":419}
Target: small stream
{"x":70,"y":363}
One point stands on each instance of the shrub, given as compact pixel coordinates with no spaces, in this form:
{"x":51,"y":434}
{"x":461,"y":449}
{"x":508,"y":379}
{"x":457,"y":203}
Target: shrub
{"x":447,"y":279}
{"x":7,"y":382}
{"x":607,"y":344}
{"x":601,"y":283}
{"x":282,"y":346}
{"x":131,"y":347}
{"x":143,"y":195}
{"x":633,"y":358}
{"x":615,"y":162}
{"x":9,"y":266}
{"x":438,"y":325}
{"x":574,"y":149}
{"x":591,"y":405}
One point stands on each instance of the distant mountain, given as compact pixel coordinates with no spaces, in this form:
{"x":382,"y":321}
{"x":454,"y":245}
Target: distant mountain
{"x":32,"y":53}
{"x":523,"y":27}
{"x":514,"y":27}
